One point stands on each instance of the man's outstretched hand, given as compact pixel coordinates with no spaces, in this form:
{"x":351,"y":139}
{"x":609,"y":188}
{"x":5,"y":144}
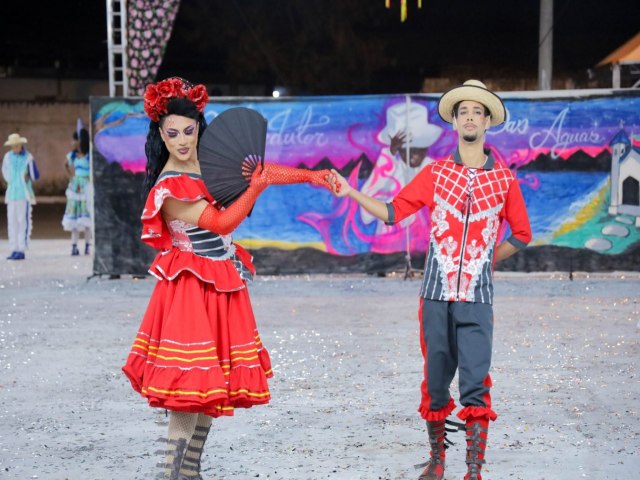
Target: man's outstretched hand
{"x":339,"y":185}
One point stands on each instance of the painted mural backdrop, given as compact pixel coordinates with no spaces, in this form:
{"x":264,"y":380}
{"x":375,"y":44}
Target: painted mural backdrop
{"x":577,"y":158}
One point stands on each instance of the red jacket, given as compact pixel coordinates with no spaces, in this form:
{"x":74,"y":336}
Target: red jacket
{"x":468,"y":206}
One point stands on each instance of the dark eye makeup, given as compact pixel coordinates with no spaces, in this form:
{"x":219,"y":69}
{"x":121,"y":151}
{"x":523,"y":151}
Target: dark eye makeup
{"x":172,"y":132}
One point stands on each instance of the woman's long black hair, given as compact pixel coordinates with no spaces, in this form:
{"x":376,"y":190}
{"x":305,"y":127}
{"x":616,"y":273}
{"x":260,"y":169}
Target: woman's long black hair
{"x":155,"y":149}
{"x":83,"y":141}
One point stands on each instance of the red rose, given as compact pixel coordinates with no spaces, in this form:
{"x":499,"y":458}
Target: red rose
{"x":161,"y":108}
{"x":177,"y":86}
{"x":166,"y":89}
{"x":151,"y":100}
{"x":157,"y":96}
{"x":199,"y":96}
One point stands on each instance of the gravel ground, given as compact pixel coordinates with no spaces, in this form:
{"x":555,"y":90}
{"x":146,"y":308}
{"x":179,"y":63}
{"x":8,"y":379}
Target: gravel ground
{"x":348,"y":366}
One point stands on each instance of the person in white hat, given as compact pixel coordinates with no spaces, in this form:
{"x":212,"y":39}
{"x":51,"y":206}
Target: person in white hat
{"x":469,"y":196}
{"x":407,"y":137}
{"x":18,"y":170}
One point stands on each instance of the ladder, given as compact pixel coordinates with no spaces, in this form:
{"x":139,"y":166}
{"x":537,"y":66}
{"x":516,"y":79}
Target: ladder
{"x":117,"y":46}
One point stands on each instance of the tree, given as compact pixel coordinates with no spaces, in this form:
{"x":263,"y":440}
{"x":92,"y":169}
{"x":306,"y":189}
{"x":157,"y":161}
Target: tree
{"x":301,"y":44}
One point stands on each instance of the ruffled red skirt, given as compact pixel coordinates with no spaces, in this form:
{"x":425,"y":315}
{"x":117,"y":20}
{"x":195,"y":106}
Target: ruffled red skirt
{"x":198,"y":350}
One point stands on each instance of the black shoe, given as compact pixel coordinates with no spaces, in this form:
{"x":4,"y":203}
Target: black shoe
{"x":12,"y":256}
{"x":17,"y":256}
{"x":74,"y":250}
{"x":87,"y":248}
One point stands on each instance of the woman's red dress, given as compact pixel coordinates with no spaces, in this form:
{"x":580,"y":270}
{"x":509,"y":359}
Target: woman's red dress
{"x":198,"y":349}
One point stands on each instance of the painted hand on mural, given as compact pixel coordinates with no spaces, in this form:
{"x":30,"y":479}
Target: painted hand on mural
{"x":413,"y":157}
{"x":397,"y":142}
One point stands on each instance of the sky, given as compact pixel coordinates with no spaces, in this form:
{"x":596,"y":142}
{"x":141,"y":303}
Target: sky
{"x":498,"y":36}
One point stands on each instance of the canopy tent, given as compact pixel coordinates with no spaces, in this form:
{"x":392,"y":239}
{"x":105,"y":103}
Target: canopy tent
{"x":627,"y":54}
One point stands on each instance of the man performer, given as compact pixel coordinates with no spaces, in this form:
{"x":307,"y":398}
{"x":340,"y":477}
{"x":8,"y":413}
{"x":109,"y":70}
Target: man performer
{"x":19,"y":171}
{"x":469,"y":196}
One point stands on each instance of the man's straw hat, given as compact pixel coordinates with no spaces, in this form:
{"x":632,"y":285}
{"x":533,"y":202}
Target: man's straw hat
{"x":15,"y":139}
{"x":472,"y":90}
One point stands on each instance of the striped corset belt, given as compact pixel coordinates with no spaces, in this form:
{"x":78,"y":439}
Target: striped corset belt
{"x":208,"y":244}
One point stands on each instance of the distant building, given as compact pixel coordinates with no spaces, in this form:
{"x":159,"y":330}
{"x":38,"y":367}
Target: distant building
{"x":625,"y":177}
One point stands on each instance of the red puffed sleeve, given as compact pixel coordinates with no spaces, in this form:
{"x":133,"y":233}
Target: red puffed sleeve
{"x":183,"y":187}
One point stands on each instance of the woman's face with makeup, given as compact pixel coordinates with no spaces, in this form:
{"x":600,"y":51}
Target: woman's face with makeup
{"x":180,"y":135}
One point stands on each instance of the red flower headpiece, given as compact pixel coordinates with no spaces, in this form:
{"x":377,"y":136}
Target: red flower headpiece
{"x":156,"y":96}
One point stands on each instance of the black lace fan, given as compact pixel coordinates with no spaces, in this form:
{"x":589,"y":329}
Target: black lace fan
{"x":230,"y":149}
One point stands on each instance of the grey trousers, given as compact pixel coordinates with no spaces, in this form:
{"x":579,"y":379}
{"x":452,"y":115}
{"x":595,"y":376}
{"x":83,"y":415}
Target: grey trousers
{"x":456,"y":335}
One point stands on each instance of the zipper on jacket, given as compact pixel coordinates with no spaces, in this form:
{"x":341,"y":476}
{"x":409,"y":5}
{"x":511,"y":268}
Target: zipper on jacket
{"x":462,"y":248}
{"x":466,"y":210}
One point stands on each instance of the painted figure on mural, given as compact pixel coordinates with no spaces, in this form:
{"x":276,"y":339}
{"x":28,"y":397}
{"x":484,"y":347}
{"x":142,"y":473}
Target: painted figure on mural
{"x":77,"y":216}
{"x":469,"y":195}
{"x":197,"y":352}
{"x":406,"y":136}
{"x":19,"y":171}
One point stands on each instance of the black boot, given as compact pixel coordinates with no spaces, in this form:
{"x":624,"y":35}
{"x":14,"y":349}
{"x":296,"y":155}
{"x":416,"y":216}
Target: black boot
{"x":174,"y":454}
{"x":74,"y":250}
{"x":477,"y":431}
{"x":437,"y":431}
{"x":190,"y":469}
{"x":87,"y":248}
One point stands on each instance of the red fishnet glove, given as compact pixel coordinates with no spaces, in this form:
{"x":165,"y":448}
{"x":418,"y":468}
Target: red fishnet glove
{"x":278,"y":175}
{"x":226,"y":221}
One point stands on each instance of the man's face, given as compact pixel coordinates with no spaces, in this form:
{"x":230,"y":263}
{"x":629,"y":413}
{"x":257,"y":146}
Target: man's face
{"x":471,"y":122}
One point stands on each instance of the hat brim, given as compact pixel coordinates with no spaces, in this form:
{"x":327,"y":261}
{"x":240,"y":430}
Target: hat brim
{"x":477,"y":94}
{"x":22,"y":141}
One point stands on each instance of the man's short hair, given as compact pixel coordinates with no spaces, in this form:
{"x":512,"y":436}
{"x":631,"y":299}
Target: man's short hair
{"x":487,"y":112}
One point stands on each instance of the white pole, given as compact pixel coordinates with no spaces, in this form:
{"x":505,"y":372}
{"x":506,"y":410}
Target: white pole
{"x":545,"y":45}
{"x":124,"y":33}
{"x":407,"y":154}
{"x":615,"y":80}
{"x":117,"y":47}
{"x":110,"y":53}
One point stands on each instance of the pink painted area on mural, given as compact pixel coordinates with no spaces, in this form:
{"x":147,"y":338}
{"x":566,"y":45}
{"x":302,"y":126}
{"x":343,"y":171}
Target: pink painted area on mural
{"x":344,"y":209}
{"x":128,"y":150}
{"x":566,"y":153}
{"x":347,"y":213}
{"x":134,"y":167}
{"x":522,"y":156}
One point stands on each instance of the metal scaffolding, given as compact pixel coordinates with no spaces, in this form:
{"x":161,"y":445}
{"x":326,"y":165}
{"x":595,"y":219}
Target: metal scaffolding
{"x":117,"y":46}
